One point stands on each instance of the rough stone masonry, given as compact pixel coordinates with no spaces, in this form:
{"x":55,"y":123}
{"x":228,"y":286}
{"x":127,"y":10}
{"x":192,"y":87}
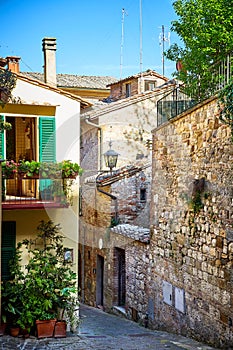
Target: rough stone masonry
{"x":190,"y":290}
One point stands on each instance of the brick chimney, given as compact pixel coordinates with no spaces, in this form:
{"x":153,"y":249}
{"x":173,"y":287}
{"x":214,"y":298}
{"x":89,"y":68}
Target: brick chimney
{"x":13,"y":63}
{"x":49,"y":49}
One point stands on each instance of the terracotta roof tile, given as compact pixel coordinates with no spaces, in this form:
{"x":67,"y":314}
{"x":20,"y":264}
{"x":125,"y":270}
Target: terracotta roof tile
{"x":76,"y":81}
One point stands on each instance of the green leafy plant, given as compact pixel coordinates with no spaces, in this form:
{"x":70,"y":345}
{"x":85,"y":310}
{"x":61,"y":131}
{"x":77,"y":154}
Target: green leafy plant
{"x":50,"y":170}
{"x":205,"y":31}
{"x":57,"y":170}
{"x":197,"y":195}
{"x":69,"y":169}
{"x":46,"y":284}
{"x":5,"y":125}
{"x":29,"y":168}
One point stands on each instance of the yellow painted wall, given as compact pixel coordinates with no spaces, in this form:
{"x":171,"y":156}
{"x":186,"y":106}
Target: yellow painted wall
{"x":28,"y":220}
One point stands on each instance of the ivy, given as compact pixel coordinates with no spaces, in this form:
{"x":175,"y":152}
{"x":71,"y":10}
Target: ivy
{"x":7,"y":84}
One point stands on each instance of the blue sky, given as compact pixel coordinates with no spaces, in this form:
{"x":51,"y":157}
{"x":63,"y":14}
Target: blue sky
{"x":88,"y":33}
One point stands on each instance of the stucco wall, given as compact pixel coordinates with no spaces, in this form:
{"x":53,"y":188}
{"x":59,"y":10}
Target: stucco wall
{"x":32,"y":219}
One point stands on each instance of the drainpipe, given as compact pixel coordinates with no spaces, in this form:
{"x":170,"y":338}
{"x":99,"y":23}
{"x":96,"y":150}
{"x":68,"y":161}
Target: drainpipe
{"x":87,"y":120}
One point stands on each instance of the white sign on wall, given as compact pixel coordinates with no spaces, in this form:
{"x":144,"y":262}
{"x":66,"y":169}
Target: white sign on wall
{"x":179,"y":299}
{"x":167,"y":293}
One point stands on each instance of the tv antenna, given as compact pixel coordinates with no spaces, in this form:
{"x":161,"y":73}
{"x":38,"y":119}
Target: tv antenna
{"x":122,"y":38}
{"x":162,"y":40}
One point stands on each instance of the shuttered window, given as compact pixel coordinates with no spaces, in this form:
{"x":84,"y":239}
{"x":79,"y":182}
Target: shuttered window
{"x":47,"y":148}
{"x":8,"y":246}
{"x":47,"y":135}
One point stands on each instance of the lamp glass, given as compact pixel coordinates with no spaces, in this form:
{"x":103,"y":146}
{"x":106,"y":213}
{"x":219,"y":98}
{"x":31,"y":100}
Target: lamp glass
{"x":110,"y":158}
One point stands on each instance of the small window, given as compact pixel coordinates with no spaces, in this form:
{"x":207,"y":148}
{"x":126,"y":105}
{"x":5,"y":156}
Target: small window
{"x":142,"y":194}
{"x":128,"y":90}
{"x":149,"y":85}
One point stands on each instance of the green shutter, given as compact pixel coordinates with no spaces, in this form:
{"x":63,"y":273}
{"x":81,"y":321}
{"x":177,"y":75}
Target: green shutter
{"x":47,"y":149}
{"x":2,"y":153}
{"x":47,"y":144}
{"x":8,"y":247}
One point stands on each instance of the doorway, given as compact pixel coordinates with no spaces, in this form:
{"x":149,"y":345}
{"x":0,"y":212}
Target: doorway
{"x":120,"y":274}
{"x":100,"y":281}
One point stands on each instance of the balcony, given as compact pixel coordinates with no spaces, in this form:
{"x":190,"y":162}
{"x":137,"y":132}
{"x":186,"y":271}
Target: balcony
{"x":33,"y":193}
{"x":31,"y":184}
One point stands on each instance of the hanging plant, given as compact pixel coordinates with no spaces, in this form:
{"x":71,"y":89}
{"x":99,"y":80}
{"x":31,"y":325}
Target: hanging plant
{"x":7,"y":84}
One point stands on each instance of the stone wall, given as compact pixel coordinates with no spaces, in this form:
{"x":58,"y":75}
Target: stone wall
{"x":118,"y":91}
{"x":191,"y":251}
{"x":133,"y":198}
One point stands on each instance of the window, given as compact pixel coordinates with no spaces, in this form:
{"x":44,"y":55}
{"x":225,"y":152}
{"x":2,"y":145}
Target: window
{"x":150,"y":85}
{"x":128,"y":90}
{"x":142,"y":194}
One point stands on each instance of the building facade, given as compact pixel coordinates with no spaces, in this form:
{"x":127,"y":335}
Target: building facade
{"x":45,"y":128}
{"x":115,"y":210}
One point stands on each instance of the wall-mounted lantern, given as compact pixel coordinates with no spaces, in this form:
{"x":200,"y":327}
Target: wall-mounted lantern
{"x":110,"y":158}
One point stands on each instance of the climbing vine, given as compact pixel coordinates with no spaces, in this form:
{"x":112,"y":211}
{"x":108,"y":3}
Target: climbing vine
{"x":7,"y":84}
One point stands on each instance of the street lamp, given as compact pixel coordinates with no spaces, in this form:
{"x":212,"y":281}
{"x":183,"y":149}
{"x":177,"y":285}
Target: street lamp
{"x":110,"y":158}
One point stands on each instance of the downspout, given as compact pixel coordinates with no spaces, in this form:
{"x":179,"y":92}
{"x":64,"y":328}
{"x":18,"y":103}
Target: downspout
{"x":87,"y":120}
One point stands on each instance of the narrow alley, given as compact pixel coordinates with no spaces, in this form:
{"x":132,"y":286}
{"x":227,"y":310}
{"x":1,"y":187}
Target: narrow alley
{"x":102,"y":331}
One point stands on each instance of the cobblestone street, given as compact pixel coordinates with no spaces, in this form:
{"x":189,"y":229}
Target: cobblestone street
{"x":101,"y":331}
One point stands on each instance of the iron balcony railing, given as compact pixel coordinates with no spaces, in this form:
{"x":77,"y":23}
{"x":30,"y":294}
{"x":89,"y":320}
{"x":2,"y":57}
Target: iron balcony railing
{"x":182,"y":98}
{"x":33,"y":193}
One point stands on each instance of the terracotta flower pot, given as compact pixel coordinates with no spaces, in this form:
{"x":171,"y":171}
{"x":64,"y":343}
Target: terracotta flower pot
{"x":60,"y":329}
{"x":14,"y":331}
{"x":45,"y":328}
{"x":2,"y":328}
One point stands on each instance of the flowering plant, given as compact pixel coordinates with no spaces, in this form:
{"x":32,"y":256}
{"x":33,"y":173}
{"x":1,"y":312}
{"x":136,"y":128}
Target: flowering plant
{"x":9,"y":168}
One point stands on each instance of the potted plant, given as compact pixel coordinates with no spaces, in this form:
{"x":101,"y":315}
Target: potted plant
{"x":46,"y":283}
{"x":70,"y":170}
{"x":58,"y":192}
{"x":22,"y":168}
{"x":12,"y":294}
{"x":50,"y":170}
{"x":9,"y":169}
{"x":67,"y":307}
{"x":28,"y":168}
{"x":3,"y":325}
